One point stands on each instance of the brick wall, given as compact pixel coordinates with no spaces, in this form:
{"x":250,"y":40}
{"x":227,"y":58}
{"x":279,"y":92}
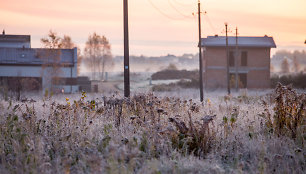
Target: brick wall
{"x":257,"y":69}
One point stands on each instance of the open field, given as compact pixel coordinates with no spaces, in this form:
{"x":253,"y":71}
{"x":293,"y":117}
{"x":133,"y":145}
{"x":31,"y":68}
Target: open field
{"x":166,"y":132}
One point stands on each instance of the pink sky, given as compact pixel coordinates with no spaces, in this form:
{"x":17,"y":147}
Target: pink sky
{"x":152,"y":33}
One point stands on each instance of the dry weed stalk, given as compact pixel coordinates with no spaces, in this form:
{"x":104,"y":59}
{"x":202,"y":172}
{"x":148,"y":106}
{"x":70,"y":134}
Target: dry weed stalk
{"x":289,"y":113}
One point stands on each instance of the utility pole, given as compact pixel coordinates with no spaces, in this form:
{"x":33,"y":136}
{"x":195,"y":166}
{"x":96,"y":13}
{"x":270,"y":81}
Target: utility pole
{"x":200,"y":54}
{"x":227,"y":63}
{"x":126,"y":50}
{"x":236,"y":62}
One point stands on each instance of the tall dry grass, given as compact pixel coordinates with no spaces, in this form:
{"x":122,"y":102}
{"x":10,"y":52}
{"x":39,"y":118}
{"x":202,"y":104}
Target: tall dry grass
{"x":154,"y":133}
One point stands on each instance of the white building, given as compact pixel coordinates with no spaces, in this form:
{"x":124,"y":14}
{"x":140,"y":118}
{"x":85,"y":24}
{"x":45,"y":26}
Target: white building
{"x":51,"y":69}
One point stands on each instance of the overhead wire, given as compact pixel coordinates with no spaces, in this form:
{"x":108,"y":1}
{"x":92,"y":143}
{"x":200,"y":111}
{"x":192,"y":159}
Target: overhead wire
{"x":161,"y":12}
{"x":181,"y":13}
{"x":183,"y":4}
{"x":178,"y":11}
{"x":210,"y":24}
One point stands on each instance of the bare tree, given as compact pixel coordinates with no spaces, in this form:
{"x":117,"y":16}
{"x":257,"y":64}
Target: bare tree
{"x":97,"y":54}
{"x":52,"y":41}
{"x":80,"y":60}
{"x":51,"y":59}
{"x":285,"y":66}
{"x":67,"y":43}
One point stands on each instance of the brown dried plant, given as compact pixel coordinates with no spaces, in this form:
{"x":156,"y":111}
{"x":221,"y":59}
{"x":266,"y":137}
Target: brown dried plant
{"x":289,"y":113}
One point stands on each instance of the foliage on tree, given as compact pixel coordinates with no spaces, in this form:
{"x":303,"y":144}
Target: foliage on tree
{"x":67,"y":43}
{"x":80,"y":60}
{"x":296,"y":80}
{"x":97,"y":55}
{"x":285,"y":66}
{"x":52,"y":41}
{"x":297,"y":59}
{"x":171,"y":66}
{"x":52,"y":56}
{"x":296,"y":64}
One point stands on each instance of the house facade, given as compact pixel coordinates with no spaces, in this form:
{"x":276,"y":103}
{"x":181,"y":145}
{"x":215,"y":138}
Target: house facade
{"x":26,"y":68}
{"x":249,"y":61}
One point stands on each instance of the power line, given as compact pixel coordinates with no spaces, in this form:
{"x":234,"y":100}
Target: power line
{"x":210,"y":24}
{"x":162,"y":13}
{"x":186,"y":16}
{"x":183,"y":4}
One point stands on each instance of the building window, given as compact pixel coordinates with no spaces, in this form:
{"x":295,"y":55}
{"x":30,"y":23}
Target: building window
{"x":231,"y":58}
{"x":243,"y":80}
{"x":244,"y":58}
{"x":232,"y":80}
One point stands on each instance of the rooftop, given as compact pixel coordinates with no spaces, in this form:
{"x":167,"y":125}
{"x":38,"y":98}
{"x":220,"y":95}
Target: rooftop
{"x":243,"y":41}
{"x":14,"y":38}
{"x":37,"y":56}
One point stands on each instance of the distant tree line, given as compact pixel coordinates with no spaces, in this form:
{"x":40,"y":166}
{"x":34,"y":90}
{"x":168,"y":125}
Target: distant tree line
{"x":156,"y":63}
{"x":289,"y":62}
{"x":296,"y":80}
{"x":190,"y":79}
{"x":171,"y":72}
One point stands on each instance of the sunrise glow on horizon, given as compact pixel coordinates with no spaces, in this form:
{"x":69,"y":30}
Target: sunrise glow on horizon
{"x":157,"y":27}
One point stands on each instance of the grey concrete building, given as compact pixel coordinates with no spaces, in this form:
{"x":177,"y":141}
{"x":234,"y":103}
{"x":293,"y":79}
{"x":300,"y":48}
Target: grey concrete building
{"x":36,"y":68}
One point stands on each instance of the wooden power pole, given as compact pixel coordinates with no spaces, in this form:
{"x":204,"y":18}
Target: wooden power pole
{"x":126,"y":50}
{"x":236,"y":62}
{"x":200,"y":54}
{"x":227,"y":63}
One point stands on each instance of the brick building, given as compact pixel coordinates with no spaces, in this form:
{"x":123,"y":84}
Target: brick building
{"x":249,"y":66}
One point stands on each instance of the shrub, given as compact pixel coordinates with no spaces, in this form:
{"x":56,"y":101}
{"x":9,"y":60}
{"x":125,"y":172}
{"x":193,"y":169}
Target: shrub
{"x":195,"y":139}
{"x":174,"y":74}
{"x":289,"y":113}
{"x":297,"y":80}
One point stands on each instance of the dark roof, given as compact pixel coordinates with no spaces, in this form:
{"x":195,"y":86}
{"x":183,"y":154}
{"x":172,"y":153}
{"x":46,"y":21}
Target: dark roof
{"x":37,"y":56}
{"x":15,"y":38}
{"x":220,"y":41}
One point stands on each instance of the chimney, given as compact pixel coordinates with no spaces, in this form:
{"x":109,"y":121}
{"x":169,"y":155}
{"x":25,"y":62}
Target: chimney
{"x":3,"y":32}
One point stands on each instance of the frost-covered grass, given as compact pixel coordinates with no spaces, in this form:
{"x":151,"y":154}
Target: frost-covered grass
{"x":166,"y":132}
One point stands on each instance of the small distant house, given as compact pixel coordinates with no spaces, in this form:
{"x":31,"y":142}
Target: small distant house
{"x":249,"y":61}
{"x":23,"y":67}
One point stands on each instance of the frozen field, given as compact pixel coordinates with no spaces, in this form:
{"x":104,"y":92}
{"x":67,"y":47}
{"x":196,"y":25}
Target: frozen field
{"x":165,"y":132}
